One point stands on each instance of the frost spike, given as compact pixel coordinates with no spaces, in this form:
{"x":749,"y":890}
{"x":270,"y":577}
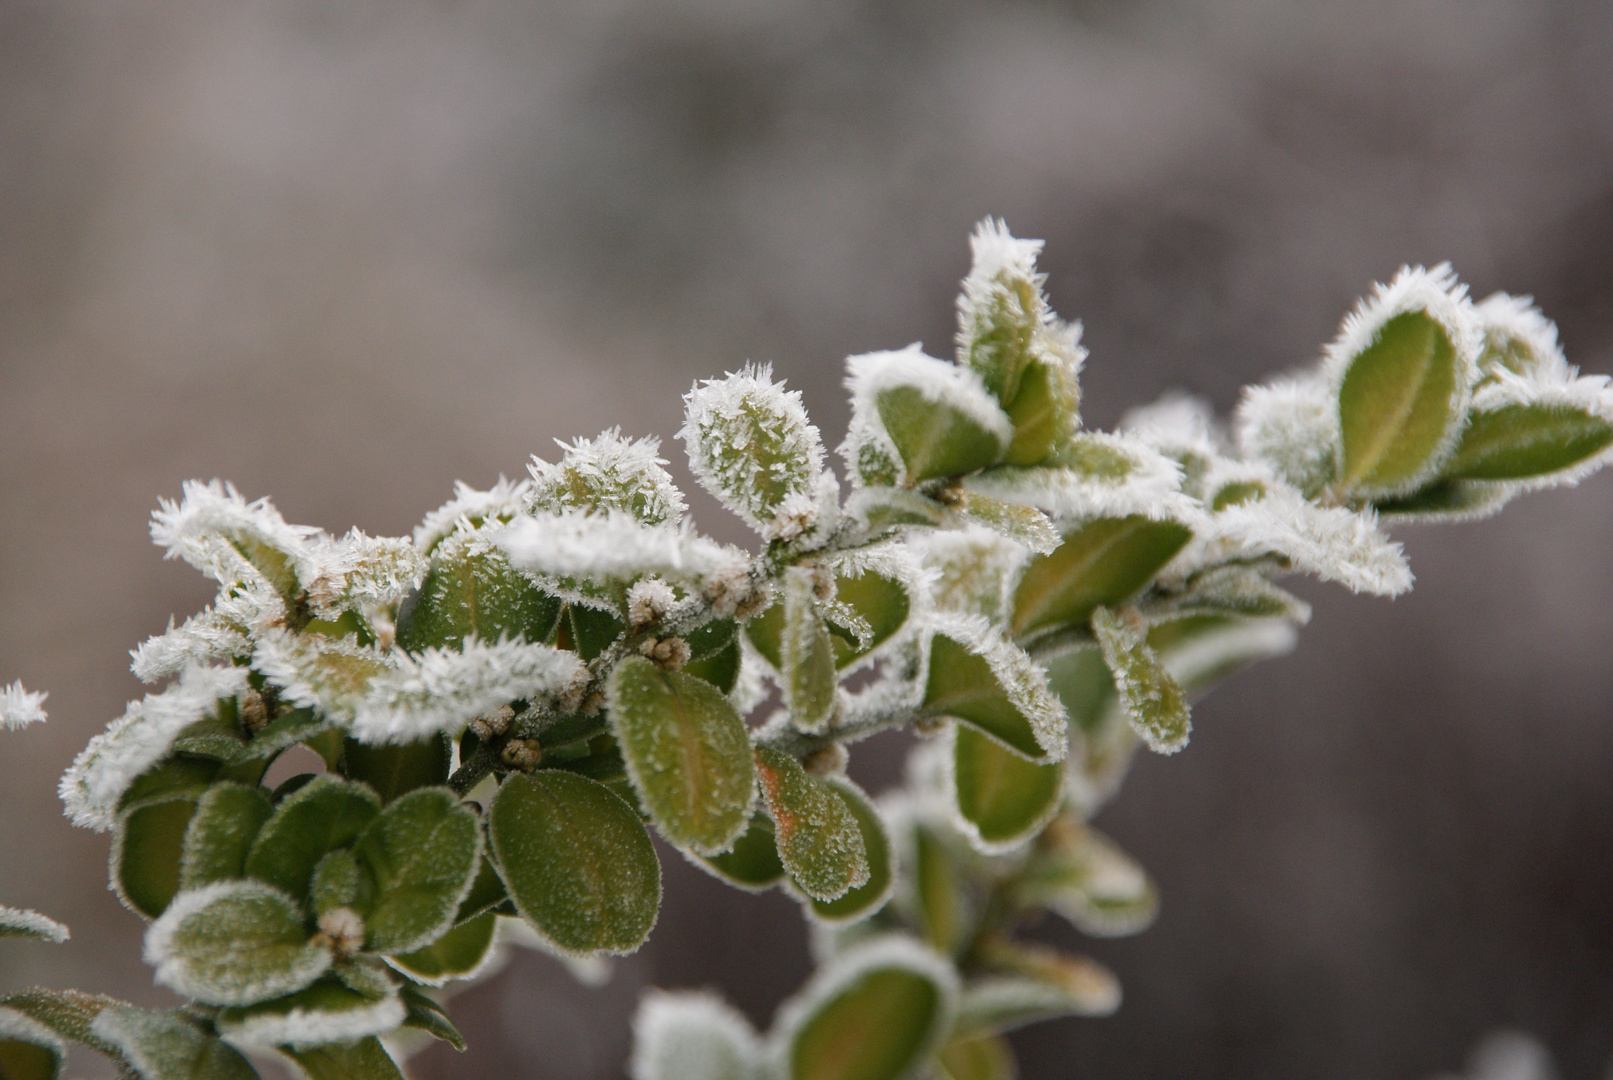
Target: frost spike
{"x":19,"y":708}
{"x":607,"y":474}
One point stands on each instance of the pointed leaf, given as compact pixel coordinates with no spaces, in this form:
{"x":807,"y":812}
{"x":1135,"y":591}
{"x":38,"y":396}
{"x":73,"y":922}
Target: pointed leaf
{"x":68,"y":1013}
{"x":471,"y":590}
{"x":938,"y":418}
{"x":326,"y":1012}
{"x":875,"y":1012}
{"x":324,"y":814}
{"x":819,"y":840}
{"x":692,"y":1036}
{"x":455,"y":955}
{"x":1399,"y":400}
{"x":1102,"y":563}
{"x":166,"y":1046}
{"x":366,"y":1059}
{"x":935,"y":438}
{"x":1448,"y":501}
{"x":425,"y":1014}
{"x":1084,"y":877}
{"x":806,"y":655}
{"x":28,"y":1049}
{"x":577,"y":862}
{"x":1004,"y":799}
{"x":394,"y":769}
{"x":1154,"y":701}
{"x":753,"y":862}
{"x":1515,"y":442}
{"x":867,"y":898}
{"x":687,"y":751}
{"x":941,"y":909}
{"x":234,"y":943}
{"x":1034,"y":982}
{"x":219,"y":836}
{"x":422,"y":853}
{"x":22,"y":923}
{"x":998,"y":689}
{"x":146,"y":853}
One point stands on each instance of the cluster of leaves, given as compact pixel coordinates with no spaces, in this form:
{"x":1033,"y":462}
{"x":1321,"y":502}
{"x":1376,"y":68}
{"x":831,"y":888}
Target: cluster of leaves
{"x":508,"y":703}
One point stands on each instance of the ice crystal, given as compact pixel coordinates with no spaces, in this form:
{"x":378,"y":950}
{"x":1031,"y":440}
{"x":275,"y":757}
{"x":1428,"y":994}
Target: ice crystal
{"x":607,"y":474}
{"x":470,"y":509}
{"x":19,"y":707}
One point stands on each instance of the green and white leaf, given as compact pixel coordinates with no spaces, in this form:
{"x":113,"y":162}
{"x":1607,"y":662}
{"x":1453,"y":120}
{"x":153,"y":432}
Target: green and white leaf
{"x":147,"y":850}
{"x":471,"y":590}
{"x":220,"y":834}
{"x":461,"y":953}
{"x":938,"y":418}
{"x":422,"y":854}
{"x":1024,"y":525}
{"x":166,"y":1046}
{"x":1081,"y":874}
{"x":1292,"y":425}
{"x":875,"y":1012}
{"x":970,"y":571}
{"x":607,"y":474}
{"x":819,"y":840}
{"x":806,"y":655}
{"x":326,"y":1012}
{"x":1517,"y":338}
{"x":687,"y":751}
{"x":1102,"y":562}
{"x":1096,"y":475}
{"x":234,"y":943}
{"x":233,"y":541}
{"x":1229,"y":589}
{"x":22,"y":923}
{"x":753,"y":862}
{"x":881,"y":509}
{"x":1001,"y":799}
{"x":1000,"y":1003}
{"x":1448,"y":501}
{"x":868,"y":898}
{"x":366,"y":1059}
{"x":692,"y":1036}
{"x":470,"y":510}
{"x":325,"y":814}
{"x":978,"y":676}
{"x":1548,"y":428}
{"x":28,"y":1049}
{"x":1152,"y":698}
{"x":356,"y":572}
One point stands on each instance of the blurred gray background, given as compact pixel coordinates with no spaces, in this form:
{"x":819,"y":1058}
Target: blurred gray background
{"x":344,"y":254}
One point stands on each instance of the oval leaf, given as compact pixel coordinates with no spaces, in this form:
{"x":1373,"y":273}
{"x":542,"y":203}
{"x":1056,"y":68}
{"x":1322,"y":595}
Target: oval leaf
{"x":455,"y":955}
{"x":234,"y":943}
{"x":392,"y":770}
{"x":1154,"y":702}
{"x":1520,"y":441}
{"x":1004,"y":799}
{"x":936,"y":438}
{"x":474,"y":593}
{"x":1102,"y":563}
{"x":806,"y":655}
{"x":692,"y":1036}
{"x":819,"y":840}
{"x":752,"y":863}
{"x":1398,"y":403}
{"x":218,"y":838}
{"x":687,"y":751}
{"x":422,"y":854}
{"x":998,"y":690}
{"x":146,"y":854}
{"x":326,"y":1012}
{"x":577,"y":862}
{"x":324,"y":814}
{"x":869,"y":897}
{"x":168,"y":1046}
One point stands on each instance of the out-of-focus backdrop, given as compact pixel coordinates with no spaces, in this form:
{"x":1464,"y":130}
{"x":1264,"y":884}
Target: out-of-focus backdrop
{"x":344,"y":254}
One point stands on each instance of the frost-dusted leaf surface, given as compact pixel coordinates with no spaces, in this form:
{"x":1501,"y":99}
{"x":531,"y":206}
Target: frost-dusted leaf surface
{"x":392,"y":770}
{"x":22,"y":923}
{"x":28,"y":1049}
{"x":68,"y":1013}
{"x":692,"y":1036}
{"x":1004,"y":798}
{"x":1398,"y":401}
{"x":577,"y":861}
{"x":1516,"y":442}
{"x":422,"y":854}
{"x":326,"y":1012}
{"x":471,"y":590}
{"x":146,"y":854}
{"x":166,"y":1046}
{"x":340,"y":880}
{"x":326,"y":813}
{"x":1153,"y":700}
{"x":604,"y":474}
{"x":998,"y":689}
{"x":365,"y":1059}
{"x":688,"y":753}
{"x":818,"y":837}
{"x":234,"y":943}
{"x":1101,"y":563}
{"x":424,"y":1014}
{"x":20,"y":707}
{"x":1448,"y":501}
{"x":456,"y":954}
{"x":221,"y":833}
{"x":870,"y":896}
{"x":1084,"y":877}
{"x":1066,"y":985}
{"x":806,"y":654}
{"x":753,"y":862}
{"x":940,"y":908}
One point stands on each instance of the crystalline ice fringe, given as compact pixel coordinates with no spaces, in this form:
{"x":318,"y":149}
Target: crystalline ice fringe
{"x":34,"y":923}
{"x":302,"y":1028}
{"x":500,"y":503}
{"x":19,"y":707}
{"x":607,"y":474}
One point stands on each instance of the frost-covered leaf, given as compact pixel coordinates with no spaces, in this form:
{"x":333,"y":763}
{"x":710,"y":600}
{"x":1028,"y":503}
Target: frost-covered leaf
{"x":692,"y":1036}
{"x":687,"y":751}
{"x":939,"y":906}
{"x":1292,"y":425}
{"x":577,"y":861}
{"x":1153,"y":700}
{"x":325,"y":814}
{"x":1518,"y":339}
{"x":750,"y":444}
{"x":1101,"y":563}
{"x":340,"y":881}
{"x":458,"y":954}
{"x":806,"y":655}
{"x":359,"y":573}
{"x":939,"y":419}
{"x":139,"y":739}
{"x":326,"y":1012}
{"x":607,"y":474}
{"x":28,"y":1049}
{"x":819,"y":840}
{"x":168,"y":1046}
{"x":1519,"y":442}
{"x":146,"y":852}
{"x":394,"y":769}
{"x":472,"y":591}
{"x":365,"y":1059}
{"x":874,"y":589}
{"x":1094,"y":475}
{"x":972,"y":571}
{"x":234,"y":943}
{"x":1448,"y":501}
{"x":471,"y":509}
{"x":223,"y":632}
{"x":1002,"y":799}
{"x":977,"y":1057}
{"x":22,"y":923}
{"x":422,"y":853}
{"x":1045,"y":412}
{"x":1403,"y":366}
{"x":753,"y":862}
{"x":425,"y":1014}
{"x":1084,"y":877}
{"x":867,"y":898}
{"x":19,"y":707}
{"x":221,"y":832}
{"x":875,"y":1012}
{"x":1025,"y":525}
{"x":231,"y":540}
{"x":1066,"y":986}
{"x":441,"y":690}
{"x":1231,"y":589}
{"x":982,"y":679}
{"x":331,"y":675}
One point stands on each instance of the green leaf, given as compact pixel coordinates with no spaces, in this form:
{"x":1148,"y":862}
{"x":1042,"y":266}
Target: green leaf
{"x":1031,"y":983}
{"x":235,"y":943}
{"x":394,"y":769}
{"x":425,"y":1014}
{"x":471,"y":590}
{"x":22,"y":923}
{"x":1081,"y":680}
{"x":455,"y":955}
{"x":68,"y":1013}
{"x":819,"y":839}
{"x":873,"y":1013}
{"x":287,"y":730}
{"x":422,"y":853}
{"x":1399,"y":400}
{"x":168,"y":1046}
{"x":1004,"y":799}
{"x":1153,"y":700}
{"x":869,"y":897}
{"x":1081,"y":875}
{"x":977,"y":1057}
{"x":720,"y":669}
{"x":593,"y":631}
{"x":1000,"y":691}
{"x":169,"y":778}
{"x":324,"y":814}
{"x":326,"y":1012}
{"x":753,"y":862}
{"x":1044,"y":414}
{"x":806,"y":655}
{"x":1447,"y":501}
{"x":146,"y":853}
{"x":340,"y":881}
{"x":882,"y":603}
{"x":366,"y":1059}
{"x":692,"y":1036}
{"x":941,"y":909}
{"x":577,"y":862}
{"x":935,"y":438}
{"x":1022,"y":524}
{"x":1102,"y":563}
{"x":485,"y":891}
{"x":220,"y":834}
{"x":687,"y":751}
{"x":28,"y":1049}
{"x":1241,"y":591}
{"x":1516,"y":442}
